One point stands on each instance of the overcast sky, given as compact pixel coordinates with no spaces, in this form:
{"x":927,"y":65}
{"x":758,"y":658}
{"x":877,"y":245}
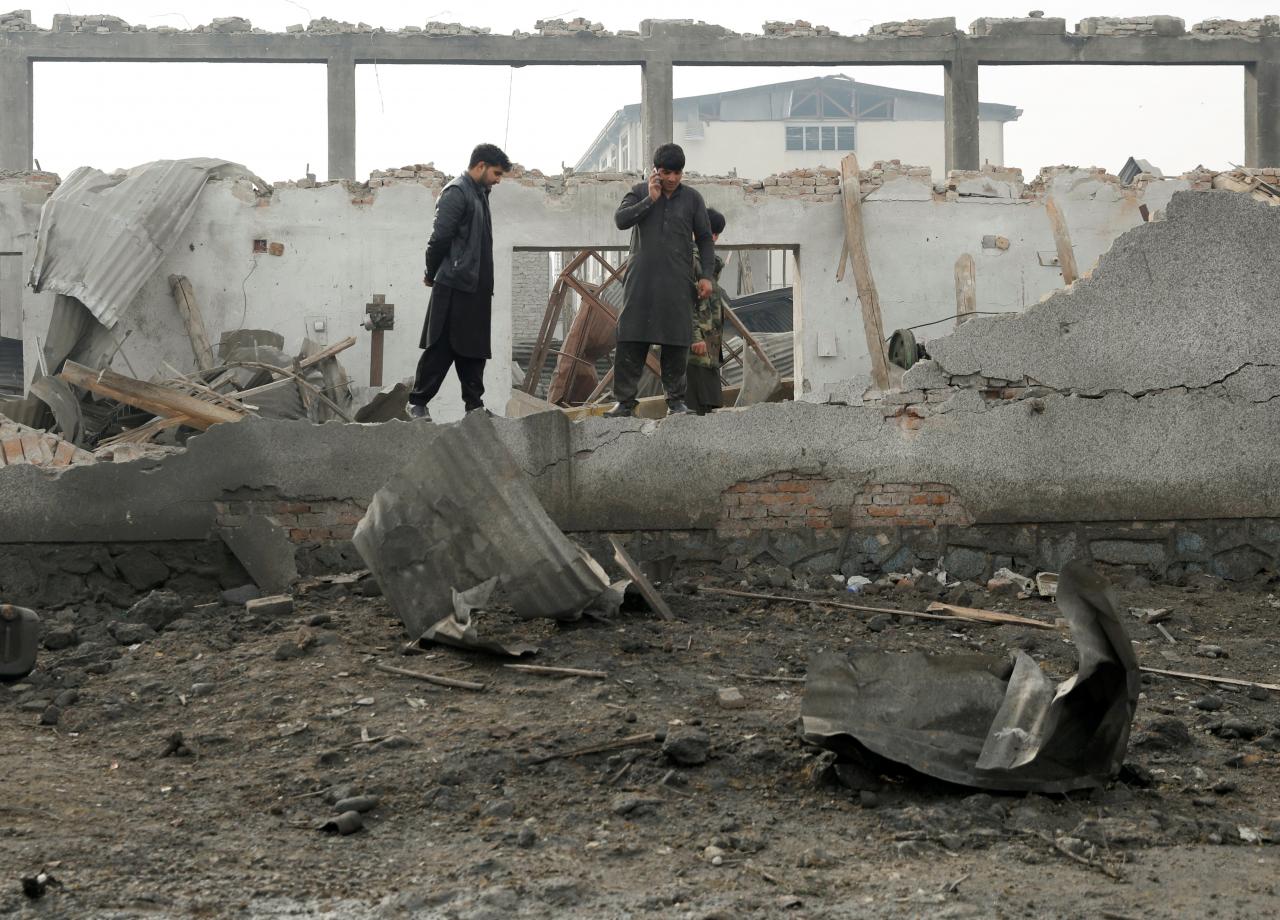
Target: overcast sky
{"x":272,"y":117}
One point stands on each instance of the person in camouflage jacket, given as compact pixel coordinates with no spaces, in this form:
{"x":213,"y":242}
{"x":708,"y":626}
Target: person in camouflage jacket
{"x":704,"y":392}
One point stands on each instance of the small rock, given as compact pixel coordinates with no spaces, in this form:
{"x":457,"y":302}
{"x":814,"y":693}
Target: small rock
{"x":713,"y":855}
{"x":498,"y":810}
{"x":51,"y":715}
{"x":68,"y":697}
{"x":274,"y":606}
{"x":1209,"y":703}
{"x":868,"y":799}
{"x":288,"y":651}
{"x":687,"y":746}
{"x":635,"y":805}
{"x":527,"y":837}
{"x":238,"y":597}
{"x":1238,"y":728}
{"x":1165,"y":734}
{"x":60,"y":637}
{"x":131,"y":633}
{"x":816,"y":858}
{"x":1133,"y":774}
{"x":359,"y":803}
{"x":202,"y":689}
{"x":319,"y":619}
{"x":880,"y":622}
{"x":778,"y":577}
{"x":395,"y":743}
{"x":1210,"y":651}
{"x":730,"y":698}
{"x":1224,"y":787}
{"x":158,"y":609}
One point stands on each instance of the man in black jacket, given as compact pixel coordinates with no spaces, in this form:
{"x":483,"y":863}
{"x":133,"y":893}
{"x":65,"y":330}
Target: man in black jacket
{"x":661,"y":283}
{"x":460,"y":275}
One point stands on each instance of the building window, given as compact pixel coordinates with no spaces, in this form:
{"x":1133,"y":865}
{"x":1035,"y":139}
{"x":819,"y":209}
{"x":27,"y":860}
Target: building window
{"x":624,"y":145}
{"x":874,"y":106}
{"x":826,"y":99}
{"x":820,"y":137}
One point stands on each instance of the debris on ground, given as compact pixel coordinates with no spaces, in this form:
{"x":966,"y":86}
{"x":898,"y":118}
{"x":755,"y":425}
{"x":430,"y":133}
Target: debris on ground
{"x":977,"y":720}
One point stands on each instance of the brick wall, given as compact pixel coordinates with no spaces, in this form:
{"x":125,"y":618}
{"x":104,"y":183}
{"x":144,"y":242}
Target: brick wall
{"x":907,"y":504}
{"x":530,"y":288}
{"x":306,"y":521}
{"x":779,"y":501}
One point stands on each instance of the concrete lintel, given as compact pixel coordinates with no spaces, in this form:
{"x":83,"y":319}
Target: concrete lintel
{"x":1262,"y":114}
{"x":341,"y":72}
{"x":17,"y":138}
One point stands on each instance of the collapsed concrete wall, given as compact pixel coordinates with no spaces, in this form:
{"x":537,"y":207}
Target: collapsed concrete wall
{"x":330,"y":247}
{"x":1146,"y":436}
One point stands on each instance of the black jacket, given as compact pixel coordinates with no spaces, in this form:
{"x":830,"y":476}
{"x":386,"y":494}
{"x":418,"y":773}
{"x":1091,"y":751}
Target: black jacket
{"x":457,"y":248}
{"x":659,"y":288}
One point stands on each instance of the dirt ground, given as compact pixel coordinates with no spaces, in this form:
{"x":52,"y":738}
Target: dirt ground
{"x":278,"y":717}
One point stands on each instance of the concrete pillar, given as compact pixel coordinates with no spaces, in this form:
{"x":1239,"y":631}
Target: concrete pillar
{"x":961,"y":113}
{"x":1262,"y":113}
{"x":657,"y":110}
{"x":17,"y":136}
{"x":342,"y":116}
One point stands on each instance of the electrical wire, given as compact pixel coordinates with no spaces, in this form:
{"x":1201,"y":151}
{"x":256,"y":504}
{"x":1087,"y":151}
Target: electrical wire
{"x":953,"y":316}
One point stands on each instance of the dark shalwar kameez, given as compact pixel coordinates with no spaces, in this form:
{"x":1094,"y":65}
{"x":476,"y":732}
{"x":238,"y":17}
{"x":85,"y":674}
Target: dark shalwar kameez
{"x":660,"y":287}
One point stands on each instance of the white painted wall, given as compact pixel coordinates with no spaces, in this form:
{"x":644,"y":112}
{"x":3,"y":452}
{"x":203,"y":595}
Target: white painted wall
{"x":337,"y":254}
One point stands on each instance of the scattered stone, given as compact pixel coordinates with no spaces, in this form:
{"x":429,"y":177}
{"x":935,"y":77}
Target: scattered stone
{"x":1133,"y":774}
{"x":131,"y":633}
{"x":176,"y":746}
{"x":143,"y":570}
{"x":346,"y":823}
{"x":274,"y":606}
{"x":730,"y":698}
{"x":240,"y":596}
{"x":499,"y":809}
{"x":881,"y":621}
{"x":158,"y":609}
{"x":687,"y":746}
{"x":395,"y":743}
{"x":51,"y":715}
{"x":527,"y":837}
{"x":868,"y":799}
{"x":1237,"y":728}
{"x":634,"y":805}
{"x":68,"y":697}
{"x":287,"y":651}
{"x":319,"y":619}
{"x":60,"y":637}
{"x":1224,"y":787}
{"x":360,"y":803}
{"x":1209,"y":703}
{"x":1210,"y":651}
{"x":713,"y":855}
{"x":201,"y":689}
{"x":1164,"y":734}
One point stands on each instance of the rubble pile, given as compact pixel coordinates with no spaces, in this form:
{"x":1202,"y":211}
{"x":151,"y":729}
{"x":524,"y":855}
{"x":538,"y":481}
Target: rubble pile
{"x":572,"y":27}
{"x":17,"y":21}
{"x":1238,"y":28}
{"x":914,"y":28}
{"x":797,"y":29}
{"x":1141,"y":25}
{"x":67,"y":22}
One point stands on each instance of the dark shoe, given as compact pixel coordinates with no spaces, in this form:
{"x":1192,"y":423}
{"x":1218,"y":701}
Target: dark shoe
{"x":621,"y":411}
{"x":416,"y":411}
{"x":480,"y":409}
{"x":677,"y":407}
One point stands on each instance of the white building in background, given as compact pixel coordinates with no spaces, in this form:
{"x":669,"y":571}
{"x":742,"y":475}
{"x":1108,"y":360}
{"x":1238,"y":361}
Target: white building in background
{"x":762,"y":130}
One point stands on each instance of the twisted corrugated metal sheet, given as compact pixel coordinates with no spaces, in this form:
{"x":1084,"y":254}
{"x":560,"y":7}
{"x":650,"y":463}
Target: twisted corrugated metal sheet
{"x":462,"y":512}
{"x":102,"y":236}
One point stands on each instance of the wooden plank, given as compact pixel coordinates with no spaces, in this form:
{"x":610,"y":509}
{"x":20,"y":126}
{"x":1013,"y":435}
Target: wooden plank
{"x":184,"y":296}
{"x":966,"y":289}
{"x":860,"y":261}
{"x":327,"y":353}
{"x":1062,"y":241}
{"x":157,"y":399}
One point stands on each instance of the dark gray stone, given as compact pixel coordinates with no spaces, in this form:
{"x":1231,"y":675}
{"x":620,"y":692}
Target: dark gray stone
{"x":1128,"y":552}
{"x":158,"y":609}
{"x":965,"y":564}
{"x":265,"y":551}
{"x":687,"y":746}
{"x":142,"y":569}
{"x":60,"y":637}
{"x":240,"y":596}
{"x":131,"y":633}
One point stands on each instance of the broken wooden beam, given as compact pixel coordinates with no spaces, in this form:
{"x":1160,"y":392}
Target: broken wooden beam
{"x":1062,"y":241}
{"x":966,"y":289}
{"x":860,"y":261}
{"x":151,"y":397}
{"x":184,"y":296}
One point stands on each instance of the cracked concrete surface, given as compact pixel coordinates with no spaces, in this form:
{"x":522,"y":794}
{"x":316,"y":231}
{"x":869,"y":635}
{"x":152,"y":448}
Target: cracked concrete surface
{"x":1184,"y":302}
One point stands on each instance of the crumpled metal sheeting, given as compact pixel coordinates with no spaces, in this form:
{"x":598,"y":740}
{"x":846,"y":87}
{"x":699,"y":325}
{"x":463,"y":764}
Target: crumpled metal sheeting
{"x":461,"y":512}
{"x":973,"y":720}
{"x":102,"y":236}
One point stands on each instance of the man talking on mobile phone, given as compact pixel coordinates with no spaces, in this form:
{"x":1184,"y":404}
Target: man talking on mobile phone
{"x":662,"y":285}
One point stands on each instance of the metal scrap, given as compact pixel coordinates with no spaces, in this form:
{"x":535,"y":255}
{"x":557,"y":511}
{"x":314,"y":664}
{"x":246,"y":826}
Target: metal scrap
{"x":460,"y":512}
{"x":982,"y":721}
{"x":459,"y":630}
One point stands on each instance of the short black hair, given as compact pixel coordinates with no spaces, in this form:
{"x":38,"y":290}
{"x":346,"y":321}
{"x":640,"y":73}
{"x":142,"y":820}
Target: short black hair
{"x":489,"y":155}
{"x":669,"y":156}
{"x":717,"y":221}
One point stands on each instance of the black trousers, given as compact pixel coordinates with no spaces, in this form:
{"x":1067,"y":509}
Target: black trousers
{"x":628,"y":366}
{"x":433,"y":367}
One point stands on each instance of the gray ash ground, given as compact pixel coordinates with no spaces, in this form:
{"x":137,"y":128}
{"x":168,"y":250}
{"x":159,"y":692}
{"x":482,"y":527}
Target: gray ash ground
{"x":186,"y":774}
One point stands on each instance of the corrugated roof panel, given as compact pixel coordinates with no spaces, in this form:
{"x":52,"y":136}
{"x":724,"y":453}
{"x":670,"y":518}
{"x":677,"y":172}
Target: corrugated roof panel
{"x":102,"y":236}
